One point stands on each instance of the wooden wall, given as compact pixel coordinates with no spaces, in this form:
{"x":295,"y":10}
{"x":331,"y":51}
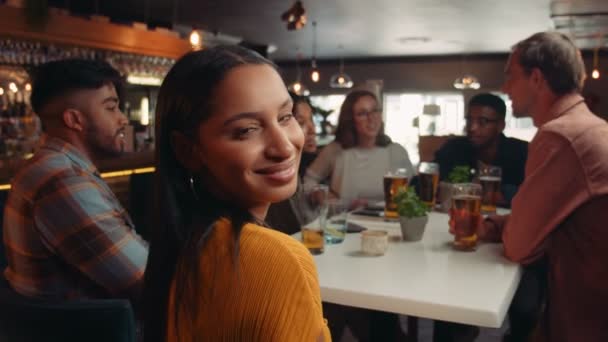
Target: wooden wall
{"x":429,"y":74}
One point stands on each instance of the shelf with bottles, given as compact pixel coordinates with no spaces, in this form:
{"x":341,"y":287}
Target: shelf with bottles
{"x":20,"y":128}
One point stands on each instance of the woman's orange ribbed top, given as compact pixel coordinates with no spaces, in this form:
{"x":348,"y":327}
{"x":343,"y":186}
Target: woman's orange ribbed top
{"x":270,"y":294}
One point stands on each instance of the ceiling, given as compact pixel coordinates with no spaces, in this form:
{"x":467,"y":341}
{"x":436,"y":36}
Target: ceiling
{"x":368,"y":28}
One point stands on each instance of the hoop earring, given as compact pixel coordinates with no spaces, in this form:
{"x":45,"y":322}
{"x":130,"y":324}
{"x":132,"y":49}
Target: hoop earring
{"x":192,"y":186}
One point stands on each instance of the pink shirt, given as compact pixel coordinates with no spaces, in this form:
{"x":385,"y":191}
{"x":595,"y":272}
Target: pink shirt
{"x":553,"y":215}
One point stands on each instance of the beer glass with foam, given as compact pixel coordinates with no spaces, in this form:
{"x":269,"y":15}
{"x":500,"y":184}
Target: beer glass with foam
{"x":489,"y":178}
{"x":465,"y":215}
{"x":393,"y":181}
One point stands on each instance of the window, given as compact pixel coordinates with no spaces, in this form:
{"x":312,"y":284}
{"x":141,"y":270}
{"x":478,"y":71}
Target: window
{"x":404,"y":122}
{"x":327,"y":102}
{"x":520,"y":128}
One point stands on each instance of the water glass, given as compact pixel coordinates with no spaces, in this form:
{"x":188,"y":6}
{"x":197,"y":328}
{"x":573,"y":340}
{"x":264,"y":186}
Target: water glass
{"x":335,"y":221}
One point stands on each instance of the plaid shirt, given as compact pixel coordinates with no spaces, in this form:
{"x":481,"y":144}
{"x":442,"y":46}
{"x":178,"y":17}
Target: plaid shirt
{"x":66,"y":235}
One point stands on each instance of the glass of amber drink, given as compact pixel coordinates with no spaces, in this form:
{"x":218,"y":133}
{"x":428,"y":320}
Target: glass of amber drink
{"x":393,"y":181}
{"x":489,"y":178}
{"x":465,"y":215}
{"x":428,"y":180}
{"x":312,"y":221}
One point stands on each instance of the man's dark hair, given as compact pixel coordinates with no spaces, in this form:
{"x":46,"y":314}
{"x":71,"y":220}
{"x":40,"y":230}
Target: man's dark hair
{"x":490,"y":100}
{"x":58,"y":78}
{"x":557,"y":58}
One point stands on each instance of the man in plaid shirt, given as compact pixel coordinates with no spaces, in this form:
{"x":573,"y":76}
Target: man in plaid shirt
{"x":66,"y":235}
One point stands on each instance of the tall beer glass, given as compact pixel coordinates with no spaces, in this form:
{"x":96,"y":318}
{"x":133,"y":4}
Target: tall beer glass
{"x":393,"y":181}
{"x":489,"y":178}
{"x":428,"y":180}
{"x":465,"y":215}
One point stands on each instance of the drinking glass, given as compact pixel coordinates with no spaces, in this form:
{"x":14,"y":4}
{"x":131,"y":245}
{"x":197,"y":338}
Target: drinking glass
{"x":334,"y":227}
{"x":393,"y":181}
{"x":428,"y":180}
{"x":465,"y":215}
{"x":490,"y":178}
{"x":312,"y":221}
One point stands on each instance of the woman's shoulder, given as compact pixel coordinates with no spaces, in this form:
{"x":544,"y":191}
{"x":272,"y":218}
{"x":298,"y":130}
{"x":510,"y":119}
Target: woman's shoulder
{"x":273,"y":245}
{"x":395,"y":147}
{"x":333,"y":147}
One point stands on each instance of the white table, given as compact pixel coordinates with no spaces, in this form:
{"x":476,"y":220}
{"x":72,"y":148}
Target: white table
{"x":423,"y":279}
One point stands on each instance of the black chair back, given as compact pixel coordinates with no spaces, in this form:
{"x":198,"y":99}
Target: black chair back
{"x":25,"y":319}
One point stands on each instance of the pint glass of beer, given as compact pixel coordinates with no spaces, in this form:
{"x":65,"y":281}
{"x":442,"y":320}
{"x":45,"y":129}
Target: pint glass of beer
{"x":465,"y":215}
{"x":312,"y":221}
{"x":428,"y":180}
{"x":489,"y":178}
{"x":393,"y":181}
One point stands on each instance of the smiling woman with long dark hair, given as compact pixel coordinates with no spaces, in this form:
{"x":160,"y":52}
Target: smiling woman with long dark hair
{"x":228,"y":146}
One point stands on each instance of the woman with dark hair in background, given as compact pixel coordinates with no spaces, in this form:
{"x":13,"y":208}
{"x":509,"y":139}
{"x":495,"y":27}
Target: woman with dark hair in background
{"x":228,"y":146}
{"x":354,"y":164}
{"x":303,"y":110}
{"x":356,"y":161}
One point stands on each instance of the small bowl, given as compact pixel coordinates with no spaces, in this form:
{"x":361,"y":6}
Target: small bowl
{"x":374,"y":242}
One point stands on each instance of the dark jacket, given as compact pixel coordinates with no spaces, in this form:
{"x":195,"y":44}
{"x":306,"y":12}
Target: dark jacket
{"x":511,"y":157}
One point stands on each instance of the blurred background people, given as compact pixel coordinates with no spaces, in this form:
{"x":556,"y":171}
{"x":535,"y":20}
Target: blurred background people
{"x":66,"y":234}
{"x":485,"y":144}
{"x":228,"y":145}
{"x":287,"y":216}
{"x":303,"y":111}
{"x":355,"y":163}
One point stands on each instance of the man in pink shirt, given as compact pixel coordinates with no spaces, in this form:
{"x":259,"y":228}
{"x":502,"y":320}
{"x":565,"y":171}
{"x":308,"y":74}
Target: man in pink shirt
{"x":561,"y":209}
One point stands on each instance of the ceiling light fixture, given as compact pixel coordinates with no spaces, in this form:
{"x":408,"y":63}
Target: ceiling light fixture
{"x":341,"y":79}
{"x":298,"y":87}
{"x":295,"y":16}
{"x":595,"y":74}
{"x":314,"y":74}
{"x":467,"y":81}
{"x":195,"y":39}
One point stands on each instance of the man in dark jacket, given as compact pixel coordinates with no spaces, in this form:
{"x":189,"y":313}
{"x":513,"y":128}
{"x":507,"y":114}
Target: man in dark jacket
{"x":485,"y":144}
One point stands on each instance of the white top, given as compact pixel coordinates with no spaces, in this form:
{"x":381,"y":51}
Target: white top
{"x":357,"y":172}
{"x":424,"y":279}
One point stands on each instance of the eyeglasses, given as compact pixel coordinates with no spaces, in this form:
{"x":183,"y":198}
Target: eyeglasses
{"x":362,"y":114}
{"x":482,"y":121}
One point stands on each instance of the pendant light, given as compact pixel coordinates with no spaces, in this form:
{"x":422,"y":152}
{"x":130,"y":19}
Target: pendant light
{"x":195,"y":39}
{"x":467,"y":81}
{"x":295,"y":16}
{"x":341,"y":79}
{"x":314,"y":74}
{"x":595,"y":74}
{"x":298,"y":87}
